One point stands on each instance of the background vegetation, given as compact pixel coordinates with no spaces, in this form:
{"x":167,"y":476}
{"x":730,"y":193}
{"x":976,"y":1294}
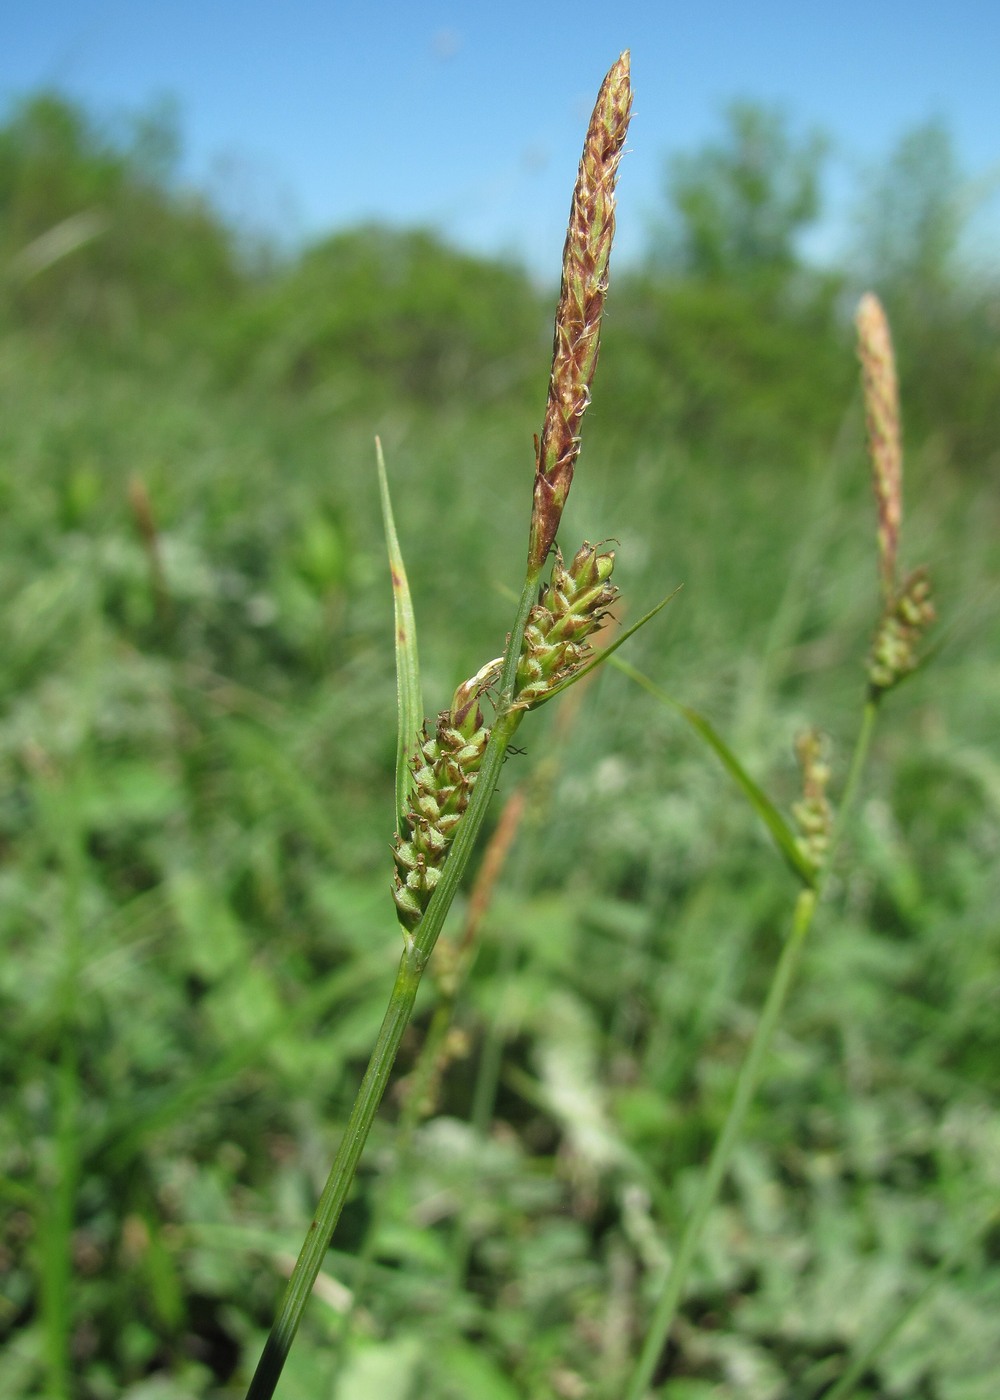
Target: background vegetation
{"x":196,"y":753}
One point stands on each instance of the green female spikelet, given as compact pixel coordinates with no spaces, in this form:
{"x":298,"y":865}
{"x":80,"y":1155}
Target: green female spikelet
{"x":902,"y":625}
{"x":812,"y":813}
{"x":445,"y":768}
{"x":570,"y":607}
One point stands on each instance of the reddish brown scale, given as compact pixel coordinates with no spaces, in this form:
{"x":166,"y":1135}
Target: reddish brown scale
{"x":576,"y":341}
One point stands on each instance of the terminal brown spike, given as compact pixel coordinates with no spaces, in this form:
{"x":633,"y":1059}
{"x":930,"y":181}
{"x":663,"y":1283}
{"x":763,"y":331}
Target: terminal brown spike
{"x":586,"y":258}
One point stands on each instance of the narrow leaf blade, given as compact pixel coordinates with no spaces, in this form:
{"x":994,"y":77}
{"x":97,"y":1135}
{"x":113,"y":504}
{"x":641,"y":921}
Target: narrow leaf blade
{"x":781,"y":832}
{"x":409,"y":697}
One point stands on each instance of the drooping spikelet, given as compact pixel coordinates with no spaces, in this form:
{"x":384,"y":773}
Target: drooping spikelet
{"x":570,"y":607}
{"x":445,"y":768}
{"x":586,"y":258}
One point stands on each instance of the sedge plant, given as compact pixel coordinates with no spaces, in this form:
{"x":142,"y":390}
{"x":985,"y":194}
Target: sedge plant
{"x":810,"y":840}
{"x":447,"y":772}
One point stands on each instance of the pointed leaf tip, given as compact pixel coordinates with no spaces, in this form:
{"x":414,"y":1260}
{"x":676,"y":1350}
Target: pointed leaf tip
{"x":409,"y":698}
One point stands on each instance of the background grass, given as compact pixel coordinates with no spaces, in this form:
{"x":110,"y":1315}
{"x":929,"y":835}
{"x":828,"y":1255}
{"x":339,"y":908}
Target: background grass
{"x":196,"y":795}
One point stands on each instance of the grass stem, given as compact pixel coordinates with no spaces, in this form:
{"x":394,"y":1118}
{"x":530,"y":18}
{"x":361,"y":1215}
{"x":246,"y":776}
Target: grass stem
{"x":338,"y":1183}
{"x":859,"y":758}
{"x":418,"y":949}
{"x":746,"y":1087}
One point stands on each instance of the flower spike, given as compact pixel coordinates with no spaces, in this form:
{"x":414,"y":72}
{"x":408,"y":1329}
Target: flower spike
{"x":586,"y":258}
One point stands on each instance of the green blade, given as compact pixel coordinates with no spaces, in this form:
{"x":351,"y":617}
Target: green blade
{"x":781,"y":832}
{"x":409,"y":699}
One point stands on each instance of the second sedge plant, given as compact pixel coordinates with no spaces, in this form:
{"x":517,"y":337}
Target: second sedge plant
{"x":446,"y":773}
{"x":809,"y":842}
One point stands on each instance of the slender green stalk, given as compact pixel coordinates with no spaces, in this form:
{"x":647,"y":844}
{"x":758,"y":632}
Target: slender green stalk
{"x":417,"y":1103}
{"x":58,"y":1214}
{"x":331,"y":1202}
{"x":412,"y":1111}
{"x":56,"y":1205}
{"x":894,"y":1324}
{"x":860,"y":1363}
{"x":746,"y":1087}
{"x":859,"y":758}
{"x":418,"y":948}
{"x":416,"y":953}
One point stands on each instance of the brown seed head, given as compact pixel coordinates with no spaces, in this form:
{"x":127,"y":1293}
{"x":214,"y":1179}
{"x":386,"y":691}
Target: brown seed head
{"x":881,"y":393}
{"x":586,"y":258}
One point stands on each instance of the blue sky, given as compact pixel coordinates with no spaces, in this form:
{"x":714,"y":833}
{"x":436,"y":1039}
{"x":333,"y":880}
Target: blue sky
{"x":303,"y":116}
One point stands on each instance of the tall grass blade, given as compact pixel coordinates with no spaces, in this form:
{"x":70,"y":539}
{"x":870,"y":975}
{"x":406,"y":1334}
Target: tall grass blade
{"x":782,"y":834}
{"x":722,"y":1153}
{"x":890,"y":1328}
{"x":409,"y":698}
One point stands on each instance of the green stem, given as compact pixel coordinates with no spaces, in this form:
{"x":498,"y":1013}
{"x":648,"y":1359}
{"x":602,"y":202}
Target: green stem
{"x":483,"y":1104}
{"x":858,"y":760}
{"x":419,"y":946}
{"x":345,"y":1163}
{"x":847,"y":1384}
{"x":528,"y":599}
{"x":893,"y":1325}
{"x":415,"y":1107}
{"x":57,"y":1198}
{"x":408,"y":1120}
{"x":484,"y":1095}
{"x":57,"y":1211}
{"x":746,"y":1086}
{"x":748,"y":1080}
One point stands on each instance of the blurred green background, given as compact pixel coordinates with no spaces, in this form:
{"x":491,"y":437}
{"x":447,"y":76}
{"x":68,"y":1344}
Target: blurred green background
{"x":196,"y":752}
